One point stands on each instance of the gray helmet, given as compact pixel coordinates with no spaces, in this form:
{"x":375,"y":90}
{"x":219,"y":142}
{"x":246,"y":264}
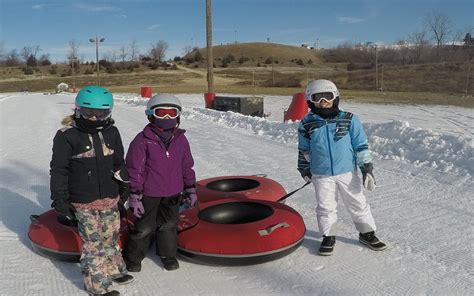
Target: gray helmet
{"x":165,"y":100}
{"x":320,"y":86}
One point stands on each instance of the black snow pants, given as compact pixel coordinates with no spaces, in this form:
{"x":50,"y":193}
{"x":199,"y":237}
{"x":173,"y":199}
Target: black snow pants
{"x":160,"y":218}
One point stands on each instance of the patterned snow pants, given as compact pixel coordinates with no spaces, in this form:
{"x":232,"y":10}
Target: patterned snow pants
{"x":101,"y":259}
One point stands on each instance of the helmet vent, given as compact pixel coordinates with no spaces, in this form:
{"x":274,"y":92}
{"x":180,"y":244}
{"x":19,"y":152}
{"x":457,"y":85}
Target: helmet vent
{"x":88,"y":91}
{"x":86,"y":103}
{"x":107,"y":105}
{"x":106,"y":92}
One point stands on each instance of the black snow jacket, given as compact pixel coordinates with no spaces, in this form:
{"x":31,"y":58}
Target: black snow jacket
{"x":83,"y":164}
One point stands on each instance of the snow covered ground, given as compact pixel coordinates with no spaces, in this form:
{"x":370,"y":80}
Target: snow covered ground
{"x":423,"y":205}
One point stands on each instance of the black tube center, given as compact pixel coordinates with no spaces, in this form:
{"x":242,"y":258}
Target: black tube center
{"x":234,"y":184}
{"x":235,"y":213}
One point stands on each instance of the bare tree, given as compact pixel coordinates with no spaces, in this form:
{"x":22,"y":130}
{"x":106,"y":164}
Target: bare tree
{"x":110,"y":56}
{"x":72,"y":57}
{"x":28,"y":51}
{"x":187,"y":49}
{"x":44,"y":60}
{"x":123,"y":53}
{"x":158,"y":50}
{"x":134,"y":50}
{"x":419,"y":43}
{"x":73,"y":50}
{"x":439,"y":25}
{"x":12,"y":58}
{"x":2,"y":50}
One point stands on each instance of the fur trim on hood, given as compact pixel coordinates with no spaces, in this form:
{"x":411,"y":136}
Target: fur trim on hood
{"x":68,"y":120}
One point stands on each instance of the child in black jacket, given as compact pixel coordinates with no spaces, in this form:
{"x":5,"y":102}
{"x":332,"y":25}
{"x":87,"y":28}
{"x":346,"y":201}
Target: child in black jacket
{"x":89,"y":181}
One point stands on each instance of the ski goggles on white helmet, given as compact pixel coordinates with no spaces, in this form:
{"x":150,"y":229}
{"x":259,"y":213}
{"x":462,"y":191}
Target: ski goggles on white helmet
{"x":326,"y":96}
{"x":162,"y":112}
{"x":100,"y":114}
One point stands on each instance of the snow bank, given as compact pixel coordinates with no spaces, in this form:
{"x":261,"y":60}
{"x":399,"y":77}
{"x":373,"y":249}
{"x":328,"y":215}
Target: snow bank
{"x":390,"y":140}
{"x":397,"y":140}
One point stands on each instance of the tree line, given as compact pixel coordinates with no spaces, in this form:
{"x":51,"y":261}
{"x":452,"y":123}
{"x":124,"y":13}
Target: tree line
{"x":29,"y":55}
{"x":435,"y":41}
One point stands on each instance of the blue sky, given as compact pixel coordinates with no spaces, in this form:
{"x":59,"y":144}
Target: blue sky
{"x":51,"y":24}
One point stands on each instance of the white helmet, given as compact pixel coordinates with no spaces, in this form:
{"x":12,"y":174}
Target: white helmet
{"x":165,"y":100}
{"x":320,"y":86}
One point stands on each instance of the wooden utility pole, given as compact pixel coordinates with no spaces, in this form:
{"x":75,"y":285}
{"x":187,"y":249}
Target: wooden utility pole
{"x":210,"y":58}
{"x":381,"y":81}
{"x":376,"y":70}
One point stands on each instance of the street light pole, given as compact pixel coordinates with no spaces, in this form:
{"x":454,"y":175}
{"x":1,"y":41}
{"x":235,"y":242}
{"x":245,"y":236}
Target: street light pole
{"x":374,"y":45}
{"x":97,"y":41}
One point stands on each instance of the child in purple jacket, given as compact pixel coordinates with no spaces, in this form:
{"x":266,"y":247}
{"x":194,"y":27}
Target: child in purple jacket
{"x":160,"y":166}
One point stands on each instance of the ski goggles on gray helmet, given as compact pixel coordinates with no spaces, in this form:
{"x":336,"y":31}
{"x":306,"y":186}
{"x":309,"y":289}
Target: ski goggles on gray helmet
{"x":327,"y":96}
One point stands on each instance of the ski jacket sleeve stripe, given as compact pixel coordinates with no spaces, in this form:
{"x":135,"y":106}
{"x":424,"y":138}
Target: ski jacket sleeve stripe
{"x":135,"y":162}
{"x":189,"y":176}
{"x":359,"y":142}
{"x":59,"y":167}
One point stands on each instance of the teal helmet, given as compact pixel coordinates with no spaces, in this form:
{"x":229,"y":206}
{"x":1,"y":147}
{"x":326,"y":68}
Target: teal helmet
{"x":94,"y":97}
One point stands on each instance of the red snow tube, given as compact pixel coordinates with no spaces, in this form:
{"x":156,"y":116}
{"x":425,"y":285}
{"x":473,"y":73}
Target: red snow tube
{"x":239,"y":232}
{"x":54,"y":236}
{"x":247,"y":187}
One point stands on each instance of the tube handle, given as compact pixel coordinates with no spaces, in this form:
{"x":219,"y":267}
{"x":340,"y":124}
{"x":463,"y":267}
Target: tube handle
{"x":270,"y":229}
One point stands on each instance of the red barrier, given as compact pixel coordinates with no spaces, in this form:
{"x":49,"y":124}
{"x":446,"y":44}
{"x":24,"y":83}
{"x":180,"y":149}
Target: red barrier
{"x":298,"y":108}
{"x":146,"y":92}
{"x":209,"y":100}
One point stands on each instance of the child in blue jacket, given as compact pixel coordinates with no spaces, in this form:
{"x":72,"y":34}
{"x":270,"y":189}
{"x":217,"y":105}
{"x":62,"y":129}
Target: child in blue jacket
{"x":331,"y":146}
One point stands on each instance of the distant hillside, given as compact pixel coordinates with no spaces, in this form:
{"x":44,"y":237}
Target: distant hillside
{"x":255,"y":54}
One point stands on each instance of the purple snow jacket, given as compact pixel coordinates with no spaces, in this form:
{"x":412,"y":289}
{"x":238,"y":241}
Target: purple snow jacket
{"x":156,"y":171}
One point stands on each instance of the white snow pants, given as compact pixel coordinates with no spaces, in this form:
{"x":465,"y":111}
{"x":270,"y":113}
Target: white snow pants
{"x":349,"y":187}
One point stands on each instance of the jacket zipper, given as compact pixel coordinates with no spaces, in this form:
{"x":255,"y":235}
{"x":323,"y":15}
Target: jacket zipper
{"x":97,"y":165}
{"x":329,"y":148}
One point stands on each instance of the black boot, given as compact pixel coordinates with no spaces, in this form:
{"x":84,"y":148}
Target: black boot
{"x":170,"y":263}
{"x":327,"y":245}
{"x":133,"y":267}
{"x":370,"y":240}
{"x":123,"y":279}
{"x":111,"y":293}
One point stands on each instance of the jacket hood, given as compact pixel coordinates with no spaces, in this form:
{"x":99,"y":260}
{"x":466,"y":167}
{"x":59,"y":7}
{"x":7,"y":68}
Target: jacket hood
{"x":68,"y":120}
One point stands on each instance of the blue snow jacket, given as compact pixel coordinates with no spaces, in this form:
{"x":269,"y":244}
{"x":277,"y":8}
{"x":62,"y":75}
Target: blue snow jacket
{"x":331,"y":146}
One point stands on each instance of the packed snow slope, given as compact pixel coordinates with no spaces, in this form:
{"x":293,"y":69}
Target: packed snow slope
{"x":423,"y":205}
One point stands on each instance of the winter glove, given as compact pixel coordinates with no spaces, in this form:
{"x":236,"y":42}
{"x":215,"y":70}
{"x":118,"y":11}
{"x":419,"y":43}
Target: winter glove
{"x":190,"y":197}
{"x":64,"y":207}
{"x":124,"y":192}
{"x":368,"y":178}
{"x":135,"y":203}
{"x":307,"y":178}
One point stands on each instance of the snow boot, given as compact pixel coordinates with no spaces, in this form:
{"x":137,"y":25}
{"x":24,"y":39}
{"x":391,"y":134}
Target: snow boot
{"x":123,"y":279}
{"x":133,"y":267}
{"x":370,"y":240}
{"x":170,"y":263}
{"x":327,"y":245}
{"x":110,"y":293}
